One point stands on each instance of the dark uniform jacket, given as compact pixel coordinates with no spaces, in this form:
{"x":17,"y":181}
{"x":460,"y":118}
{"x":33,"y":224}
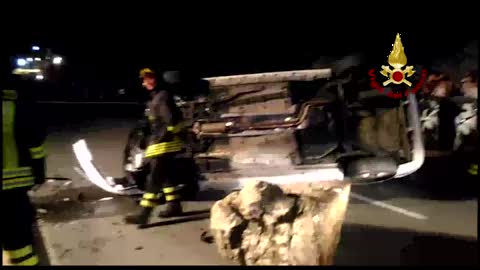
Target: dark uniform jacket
{"x":23,"y":142}
{"x":165,"y":124}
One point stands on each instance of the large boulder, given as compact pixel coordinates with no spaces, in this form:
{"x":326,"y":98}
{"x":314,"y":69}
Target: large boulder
{"x":264,"y":224}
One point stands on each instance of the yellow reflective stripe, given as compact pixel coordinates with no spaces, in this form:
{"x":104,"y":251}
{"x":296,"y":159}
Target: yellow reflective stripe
{"x":163,"y":151}
{"x":17,"y":183}
{"x":38,"y":152}
{"x":151,"y":196}
{"x":30,"y":261}
{"x":16,"y":172}
{"x":165,"y":147}
{"x":10,"y":153}
{"x":37,"y":149}
{"x":18,"y":253}
{"x":9,"y":94}
{"x":175,"y":129}
{"x":147,"y":203}
{"x":170,"y":189}
{"x":39,"y":156}
{"x":169,"y":198}
{"x":154,"y":154}
{"x":473,"y":169}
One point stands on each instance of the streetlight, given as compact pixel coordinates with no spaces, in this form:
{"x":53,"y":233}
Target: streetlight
{"x":39,"y":77}
{"x":29,"y":59}
{"x":21,"y":62}
{"x":38,"y":59}
{"x":35,"y":48}
{"x":57,"y":60}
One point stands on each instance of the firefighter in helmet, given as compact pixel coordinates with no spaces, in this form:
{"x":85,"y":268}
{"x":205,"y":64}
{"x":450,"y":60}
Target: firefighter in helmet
{"x":163,"y":145}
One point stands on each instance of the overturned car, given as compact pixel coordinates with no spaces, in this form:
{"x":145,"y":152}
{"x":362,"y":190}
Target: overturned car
{"x":282,"y":127}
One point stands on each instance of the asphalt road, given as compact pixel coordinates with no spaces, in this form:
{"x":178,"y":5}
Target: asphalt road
{"x":401,"y":222}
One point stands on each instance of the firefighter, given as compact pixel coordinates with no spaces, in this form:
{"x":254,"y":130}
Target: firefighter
{"x":23,"y":167}
{"x":163,"y":145}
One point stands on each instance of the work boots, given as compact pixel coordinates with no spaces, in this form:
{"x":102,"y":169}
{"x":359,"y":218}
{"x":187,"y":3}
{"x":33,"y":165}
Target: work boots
{"x":141,"y":218}
{"x":172,"y":209}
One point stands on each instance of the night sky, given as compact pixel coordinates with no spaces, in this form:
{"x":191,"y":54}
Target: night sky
{"x":114,"y":50}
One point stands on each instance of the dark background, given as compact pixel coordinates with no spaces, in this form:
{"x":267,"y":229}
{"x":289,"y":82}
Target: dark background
{"x":104,"y":47}
{"x":111,"y":49}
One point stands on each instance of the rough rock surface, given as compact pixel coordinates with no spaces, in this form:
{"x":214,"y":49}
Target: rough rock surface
{"x":264,"y":224}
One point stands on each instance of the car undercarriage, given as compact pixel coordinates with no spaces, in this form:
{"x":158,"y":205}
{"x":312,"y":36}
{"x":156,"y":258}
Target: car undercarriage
{"x":283,"y":127}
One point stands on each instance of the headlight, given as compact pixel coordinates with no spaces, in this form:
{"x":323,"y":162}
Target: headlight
{"x":21,"y":62}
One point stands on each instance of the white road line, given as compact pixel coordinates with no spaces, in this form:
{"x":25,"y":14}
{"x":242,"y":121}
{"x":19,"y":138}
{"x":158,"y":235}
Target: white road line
{"x":388,"y":206}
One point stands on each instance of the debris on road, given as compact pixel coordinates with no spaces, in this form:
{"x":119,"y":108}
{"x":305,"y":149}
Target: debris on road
{"x":207,"y":237}
{"x":265,"y":225}
{"x":42,"y":211}
{"x":65,"y":253}
{"x":80,"y":197}
{"x":139,"y":248}
{"x":106,"y":199}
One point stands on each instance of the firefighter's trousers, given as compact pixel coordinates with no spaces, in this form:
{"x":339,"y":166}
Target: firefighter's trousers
{"x":17,"y":233}
{"x":162,"y":182}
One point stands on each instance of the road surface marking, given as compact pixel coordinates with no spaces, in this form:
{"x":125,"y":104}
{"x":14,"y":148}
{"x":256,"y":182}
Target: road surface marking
{"x":389,"y":206}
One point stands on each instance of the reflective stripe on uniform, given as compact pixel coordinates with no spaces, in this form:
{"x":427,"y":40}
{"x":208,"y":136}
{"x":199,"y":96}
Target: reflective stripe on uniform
{"x":151,"y":196}
{"x":16,"y":172}
{"x":171,"y":189}
{"x":473,"y":169}
{"x":10,"y":152}
{"x":38,"y":152}
{"x":170,"y":198}
{"x":29,"y":262}
{"x":21,"y":252}
{"x":18,"y":182}
{"x":147,"y":203}
{"x":13,"y":176}
{"x":9,"y":94}
{"x":164,"y":147}
{"x":175,"y":129}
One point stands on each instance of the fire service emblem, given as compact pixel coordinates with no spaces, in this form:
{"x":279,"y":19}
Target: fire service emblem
{"x":397,"y":72}
{"x":397,"y":59}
